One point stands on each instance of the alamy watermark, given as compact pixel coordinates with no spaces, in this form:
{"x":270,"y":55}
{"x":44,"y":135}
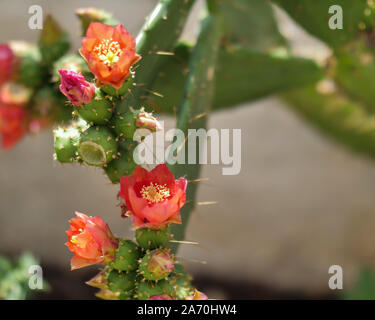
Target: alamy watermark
{"x":36,"y":20}
{"x":336,"y":280}
{"x":36,"y":277}
{"x":224,"y":147}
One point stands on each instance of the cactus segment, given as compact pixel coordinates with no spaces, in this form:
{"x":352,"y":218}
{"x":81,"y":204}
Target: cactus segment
{"x":197,"y":100}
{"x":151,"y":238}
{"x":155,"y":41}
{"x":127,"y":255}
{"x":336,"y":115}
{"x":124,"y":124}
{"x":181,"y":283}
{"x":66,"y":144}
{"x":117,"y":92}
{"x":97,"y":146}
{"x":261,"y":32}
{"x":124,"y":165}
{"x":234,"y":69}
{"x":98,"y":111}
{"x":353,"y":69}
{"x":30,"y":73}
{"x":147,"y":289}
{"x":121,"y":281}
{"x":53,"y":42}
{"x":313,"y":15}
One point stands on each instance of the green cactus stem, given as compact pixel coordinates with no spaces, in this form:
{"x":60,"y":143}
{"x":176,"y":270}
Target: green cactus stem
{"x":353,"y":68}
{"x":181,"y":283}
{"x":97,"y":146}
{"x":336,"y":115}
{"x":127,"y":255}
{"x":28,"y":63}
{"x":124,"y":165}
{"x":248,"y":24}
{"x":313,"y":16}
{"x":243,"y":75}
{"x":124,"y":124}
{"x":197,"y":101}
{"x":121,"y":281}
{"x":147,"y":289}
{"x":151,"y":239}
{"x":98,"y":111}
{"x":66,"y":144}
{"x":155,"y":41}
{"x":53,"y":42}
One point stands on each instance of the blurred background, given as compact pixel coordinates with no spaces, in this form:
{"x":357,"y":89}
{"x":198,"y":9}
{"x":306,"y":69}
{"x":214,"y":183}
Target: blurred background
{"x":300,"y":204}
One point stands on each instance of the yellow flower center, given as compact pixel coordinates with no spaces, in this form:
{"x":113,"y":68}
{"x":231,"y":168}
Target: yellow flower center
{"x":155,"y":193}
{"x":108,"y":51}
{"x":74,"y":240}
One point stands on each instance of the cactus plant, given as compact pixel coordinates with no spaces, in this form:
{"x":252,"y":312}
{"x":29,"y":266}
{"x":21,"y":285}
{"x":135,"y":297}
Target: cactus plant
{"x":120,"y":84}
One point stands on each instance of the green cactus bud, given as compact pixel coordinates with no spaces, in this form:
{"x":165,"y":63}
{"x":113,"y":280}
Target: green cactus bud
{"x":123,"y":166}
{"x":88,"y":15}
{"x":121,"y":281}
{"x":98,"y":111}
{"x":71,"y":62}
{"x":66,"y":144}
{"x":147,"y":289}
{"x":126,"y":257}
{"x":53,"y":42}
{"x":157,"y":264}
{"x":28,"y":63}
{"x":153,"y":238}
{"x":97,"y":146}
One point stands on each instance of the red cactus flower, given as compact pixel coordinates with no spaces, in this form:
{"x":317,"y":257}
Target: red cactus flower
{"x":109,"y":52}
{"x":153,"y":198}
{"x":6,"y":63}
{"x":12,"y":124}
{"x":76,"y":88}
{"x":161,"y":297}
{"x":91,"y":240}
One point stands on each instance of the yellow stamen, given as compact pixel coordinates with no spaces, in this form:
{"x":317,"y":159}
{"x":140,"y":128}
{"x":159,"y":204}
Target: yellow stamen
{"x":155,"y":193}
{"x":74,"y":240}
{"x":108,"y":51}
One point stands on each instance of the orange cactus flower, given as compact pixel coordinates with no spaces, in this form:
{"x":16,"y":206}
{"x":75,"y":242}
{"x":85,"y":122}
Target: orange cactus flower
{"x":91,"y":240}
{"x":109,"y":52}
{"x":153,"y":198}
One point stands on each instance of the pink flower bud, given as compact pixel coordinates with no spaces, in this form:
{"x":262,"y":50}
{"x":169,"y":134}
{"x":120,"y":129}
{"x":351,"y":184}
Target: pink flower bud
{"x":161,"y":263}
{"x":76,"y":88}
{"x":147,"y":121}
{"x":6,"y":63}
